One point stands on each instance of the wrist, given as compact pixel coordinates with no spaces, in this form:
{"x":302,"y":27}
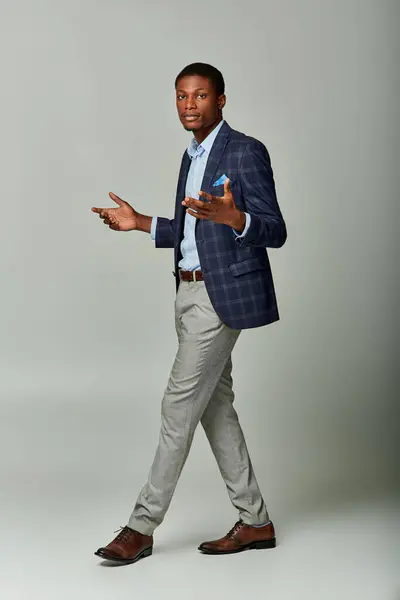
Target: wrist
{"x":143,"y":222}
{"x":138,"y":219}
{"x":239,"y":221}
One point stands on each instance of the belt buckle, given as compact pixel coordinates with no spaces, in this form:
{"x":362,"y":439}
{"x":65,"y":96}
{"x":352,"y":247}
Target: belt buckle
{"x":194,"y":276}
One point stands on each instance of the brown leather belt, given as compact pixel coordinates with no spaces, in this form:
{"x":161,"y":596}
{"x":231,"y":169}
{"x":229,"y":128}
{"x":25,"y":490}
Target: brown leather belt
{"x":190,"y":275}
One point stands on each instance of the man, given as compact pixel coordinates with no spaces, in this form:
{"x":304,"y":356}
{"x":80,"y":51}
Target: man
{"x":226,"y":215}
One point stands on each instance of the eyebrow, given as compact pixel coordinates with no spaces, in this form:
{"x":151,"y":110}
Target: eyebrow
{"x":196,"y":90}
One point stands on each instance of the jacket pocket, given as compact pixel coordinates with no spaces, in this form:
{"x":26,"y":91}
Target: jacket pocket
{"x":218,"y":190}
{"x":246,"y":266}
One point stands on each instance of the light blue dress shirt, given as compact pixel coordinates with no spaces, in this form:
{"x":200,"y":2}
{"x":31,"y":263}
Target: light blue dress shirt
{"x":199,"y":154}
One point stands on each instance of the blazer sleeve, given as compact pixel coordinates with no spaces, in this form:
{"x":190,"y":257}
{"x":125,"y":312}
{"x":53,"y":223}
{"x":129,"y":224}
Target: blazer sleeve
{"x":165,"y":233}
{"x":267,"y":226}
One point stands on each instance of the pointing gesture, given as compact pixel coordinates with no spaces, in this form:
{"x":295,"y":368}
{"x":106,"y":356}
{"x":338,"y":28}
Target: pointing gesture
{"x":220,"y":209}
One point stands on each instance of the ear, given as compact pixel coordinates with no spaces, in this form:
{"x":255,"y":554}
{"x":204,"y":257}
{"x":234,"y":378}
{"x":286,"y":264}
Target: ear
{"x":221,"y":101}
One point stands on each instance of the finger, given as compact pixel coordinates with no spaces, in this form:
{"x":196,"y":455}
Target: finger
{"x":188,"y":201}
{"x":102,"y":212}
{"x":197,"y":204}
{"x":197,"y":215}
{"x":209,"y":197}
{"x":116,"y":199}
{"x":114,"y":226}
{"x":227,"y":187}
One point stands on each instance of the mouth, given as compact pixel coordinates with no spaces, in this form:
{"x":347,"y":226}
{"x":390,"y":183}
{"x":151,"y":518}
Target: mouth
{"x":190,"y":118}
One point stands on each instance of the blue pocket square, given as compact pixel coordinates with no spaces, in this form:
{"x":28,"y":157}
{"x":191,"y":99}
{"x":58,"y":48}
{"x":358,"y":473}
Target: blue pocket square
{"x":220,"y":181}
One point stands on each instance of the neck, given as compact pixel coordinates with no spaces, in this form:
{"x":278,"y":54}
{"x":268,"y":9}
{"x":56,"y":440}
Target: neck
{"x":201,"y":134}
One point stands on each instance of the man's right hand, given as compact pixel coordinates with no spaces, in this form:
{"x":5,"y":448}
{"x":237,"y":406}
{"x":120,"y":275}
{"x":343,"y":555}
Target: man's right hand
{"x":123,"y":218}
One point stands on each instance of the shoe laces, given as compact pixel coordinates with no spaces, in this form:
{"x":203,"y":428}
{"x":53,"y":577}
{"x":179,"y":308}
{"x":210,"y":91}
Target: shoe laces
{"x":238,"y":525}
{"x":124,"y":534}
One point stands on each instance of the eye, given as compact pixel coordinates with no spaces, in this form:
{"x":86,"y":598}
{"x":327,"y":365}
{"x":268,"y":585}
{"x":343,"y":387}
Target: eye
{"x":180,"y":97}
{"x":203,"y":96}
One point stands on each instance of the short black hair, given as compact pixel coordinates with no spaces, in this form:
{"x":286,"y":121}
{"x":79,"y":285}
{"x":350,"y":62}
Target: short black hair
{"x":204,"y":70}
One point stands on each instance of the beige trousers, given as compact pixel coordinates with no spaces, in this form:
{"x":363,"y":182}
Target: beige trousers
{"x":199,"y":389}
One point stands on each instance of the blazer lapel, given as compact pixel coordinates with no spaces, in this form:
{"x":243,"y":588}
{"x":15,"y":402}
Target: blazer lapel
{"x":216,"y":153}
{"x":214,"y":159}
{"x":180,"y":194}
{"x":183,"y":173}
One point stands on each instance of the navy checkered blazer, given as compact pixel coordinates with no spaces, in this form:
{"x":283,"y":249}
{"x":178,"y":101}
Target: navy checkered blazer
{"x":236,"y":271}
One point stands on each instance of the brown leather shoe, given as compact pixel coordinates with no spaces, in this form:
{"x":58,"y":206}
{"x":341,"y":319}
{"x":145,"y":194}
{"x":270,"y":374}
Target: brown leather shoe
{"x":127,"y":547}
{"x":241,"y":537}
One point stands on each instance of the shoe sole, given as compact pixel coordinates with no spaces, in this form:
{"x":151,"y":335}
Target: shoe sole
{"x":252,"y":546}
{"x":125,"y":561}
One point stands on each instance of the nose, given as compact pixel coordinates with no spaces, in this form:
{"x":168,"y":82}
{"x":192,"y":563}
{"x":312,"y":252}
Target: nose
{"x":190,"y":102}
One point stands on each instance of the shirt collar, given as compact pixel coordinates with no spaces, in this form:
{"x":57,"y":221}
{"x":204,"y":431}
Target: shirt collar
{"x":195,"y":149}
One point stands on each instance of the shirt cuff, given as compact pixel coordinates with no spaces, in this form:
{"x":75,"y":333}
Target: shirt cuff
{"x":153,"y":228}
{"x":247,"y":225}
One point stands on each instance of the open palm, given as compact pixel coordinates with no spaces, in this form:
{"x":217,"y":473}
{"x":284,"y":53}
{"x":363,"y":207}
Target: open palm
{"x":123,"y":218}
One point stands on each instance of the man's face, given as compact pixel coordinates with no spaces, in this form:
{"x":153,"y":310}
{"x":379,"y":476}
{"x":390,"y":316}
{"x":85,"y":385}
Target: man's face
{"x":197,"y":103}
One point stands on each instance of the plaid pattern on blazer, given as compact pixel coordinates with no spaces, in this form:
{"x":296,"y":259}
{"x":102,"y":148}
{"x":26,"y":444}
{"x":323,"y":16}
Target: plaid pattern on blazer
{"x":236,"y":271}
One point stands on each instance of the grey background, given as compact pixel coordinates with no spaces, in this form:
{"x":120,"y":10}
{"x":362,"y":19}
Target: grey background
{"x":87,"y":337}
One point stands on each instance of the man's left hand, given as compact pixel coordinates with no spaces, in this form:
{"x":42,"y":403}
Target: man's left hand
{"x":220,"y":209}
